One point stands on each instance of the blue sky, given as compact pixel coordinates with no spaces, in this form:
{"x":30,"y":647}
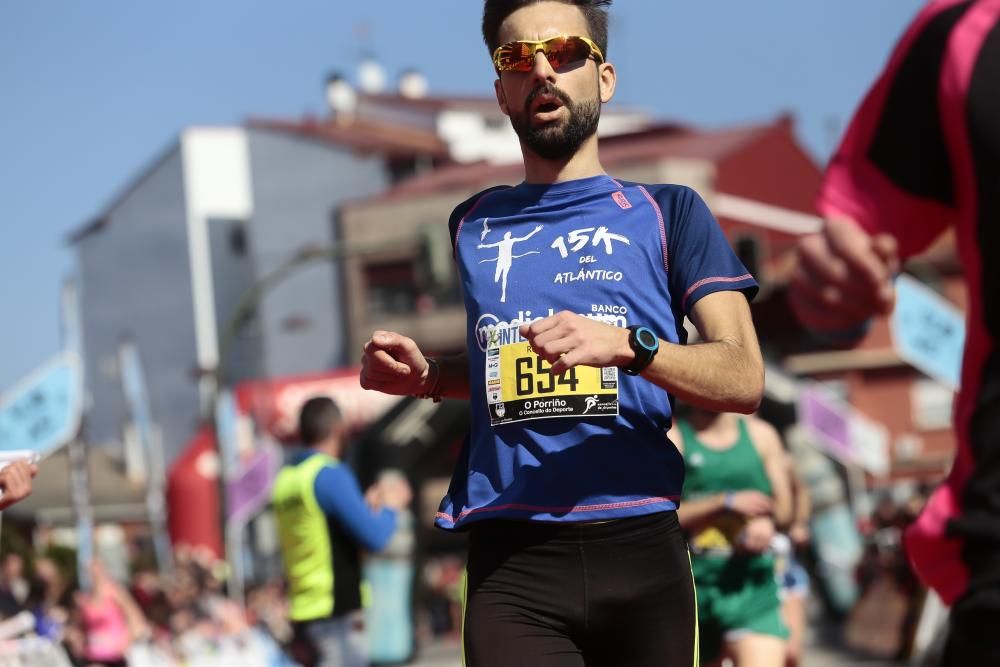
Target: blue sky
{"x":90,"y":91}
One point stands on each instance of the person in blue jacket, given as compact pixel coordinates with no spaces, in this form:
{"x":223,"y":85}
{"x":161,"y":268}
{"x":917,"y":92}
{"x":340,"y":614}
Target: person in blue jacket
{"x":324,"y":523}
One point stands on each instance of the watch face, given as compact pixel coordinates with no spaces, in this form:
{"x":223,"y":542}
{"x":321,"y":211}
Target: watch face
{"x":645,"y":344}
{"x":647,"y":338}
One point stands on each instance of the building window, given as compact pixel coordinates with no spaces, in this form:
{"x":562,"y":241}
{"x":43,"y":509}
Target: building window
{"x":238,"y":240}
{"x":401,"y":169}
{"x":436,"y":272}
{"x":931,"y":404}
{"x":392,"y":287}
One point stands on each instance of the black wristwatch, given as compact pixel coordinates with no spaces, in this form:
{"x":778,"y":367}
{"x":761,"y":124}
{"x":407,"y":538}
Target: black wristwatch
{"x":645,"y":344}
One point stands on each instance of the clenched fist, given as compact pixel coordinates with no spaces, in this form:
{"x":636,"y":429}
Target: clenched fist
{"x":393,"y":364}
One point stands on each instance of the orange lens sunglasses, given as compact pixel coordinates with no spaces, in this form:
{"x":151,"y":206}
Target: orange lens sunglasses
{"x":560,"y":51}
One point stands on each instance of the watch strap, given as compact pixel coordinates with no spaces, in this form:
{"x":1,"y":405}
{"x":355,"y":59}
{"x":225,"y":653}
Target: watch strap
{"x":643,"y":354}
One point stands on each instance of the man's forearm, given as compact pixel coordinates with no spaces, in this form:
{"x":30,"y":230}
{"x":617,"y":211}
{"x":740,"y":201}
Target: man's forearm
{"x":693,"y":513}
{"x":722,"y":375}
{"x":454,"y":376}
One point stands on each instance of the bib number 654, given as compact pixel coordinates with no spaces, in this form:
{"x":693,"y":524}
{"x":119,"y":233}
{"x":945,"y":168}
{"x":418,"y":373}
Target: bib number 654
{"x":534,"y":376}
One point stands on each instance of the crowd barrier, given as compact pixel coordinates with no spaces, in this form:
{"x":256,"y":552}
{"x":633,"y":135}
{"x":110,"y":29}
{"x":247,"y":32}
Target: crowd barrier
{"x":250,"y":649}
{"x":32,"y":652}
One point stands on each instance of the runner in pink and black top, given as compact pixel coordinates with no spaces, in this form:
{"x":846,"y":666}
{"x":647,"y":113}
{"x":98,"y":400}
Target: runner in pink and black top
{"x":922,"y":155}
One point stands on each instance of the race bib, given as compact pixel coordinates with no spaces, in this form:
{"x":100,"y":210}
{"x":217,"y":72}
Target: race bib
{"x":720,"y":537}
{"x":520,"y":385}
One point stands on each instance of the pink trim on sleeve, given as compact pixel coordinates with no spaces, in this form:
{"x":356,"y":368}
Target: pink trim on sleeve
{"x":663,"y":227}
{"x":541,"y":509}
{"x":708,"y":281}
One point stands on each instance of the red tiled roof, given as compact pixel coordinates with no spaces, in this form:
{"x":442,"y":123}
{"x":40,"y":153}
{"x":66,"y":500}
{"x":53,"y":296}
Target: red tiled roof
{"x":432,"y":103}
{"x":452,"y":177}
{"x":664,"y":140}
{"x":678,"y":141}
{"x":363,"y":135}
{"x":486,"y":105}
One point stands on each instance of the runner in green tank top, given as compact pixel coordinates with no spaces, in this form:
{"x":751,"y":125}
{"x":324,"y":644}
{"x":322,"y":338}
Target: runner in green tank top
{"x":736,"y":491}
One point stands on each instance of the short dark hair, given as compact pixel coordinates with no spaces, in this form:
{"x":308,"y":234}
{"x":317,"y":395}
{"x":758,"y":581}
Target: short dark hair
{"x":495,"y":12}
{"x":317,"y":419}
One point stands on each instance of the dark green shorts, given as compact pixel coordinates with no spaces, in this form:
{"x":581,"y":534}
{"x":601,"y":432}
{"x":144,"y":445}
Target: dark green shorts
{"x":737,"y":595}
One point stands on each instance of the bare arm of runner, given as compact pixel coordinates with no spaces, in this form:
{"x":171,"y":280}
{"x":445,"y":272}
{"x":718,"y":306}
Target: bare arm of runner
{"x":724,"y":373}
{"x":751,"y":504}
{"x":759,"y":531}
{"x":393,"y":364}
{"x":768,"y":443}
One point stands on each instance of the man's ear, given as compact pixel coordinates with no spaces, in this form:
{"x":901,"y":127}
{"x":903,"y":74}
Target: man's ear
{"x":501,"y":97}
{"x":607,"y":80}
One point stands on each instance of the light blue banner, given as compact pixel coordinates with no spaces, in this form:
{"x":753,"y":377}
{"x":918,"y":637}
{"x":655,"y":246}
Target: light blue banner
{"x":928,"y":331}
{"x":42,"y":412}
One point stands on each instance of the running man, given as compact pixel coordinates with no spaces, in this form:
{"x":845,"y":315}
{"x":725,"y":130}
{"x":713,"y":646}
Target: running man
{"x":576,"y":556}
{"x":922,"y":155}
{"x":505,"y":257}
{"x":736,"y":494}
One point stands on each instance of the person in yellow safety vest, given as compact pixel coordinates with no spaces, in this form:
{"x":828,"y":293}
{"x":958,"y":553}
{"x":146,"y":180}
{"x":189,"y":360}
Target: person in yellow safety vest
{"x":324,"y":521}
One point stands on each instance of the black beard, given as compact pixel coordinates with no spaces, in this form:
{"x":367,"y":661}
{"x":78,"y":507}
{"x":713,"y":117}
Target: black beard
{"x":558,"y":139}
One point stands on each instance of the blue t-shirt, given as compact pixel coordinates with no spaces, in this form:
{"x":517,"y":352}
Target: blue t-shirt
{"x":341,"y":499}
{"x":589,"y":445}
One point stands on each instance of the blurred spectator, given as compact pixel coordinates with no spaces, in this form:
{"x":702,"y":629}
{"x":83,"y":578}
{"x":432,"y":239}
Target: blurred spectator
{"x":267,"y":608}
{"x":145,"y":588}
{"x":180,"y":620}
{"x":108,"y":618}
{"x":14,"y":587}
{"x":49,"y":599}
{"x":444,"y":579}
{"x":883,"y":620}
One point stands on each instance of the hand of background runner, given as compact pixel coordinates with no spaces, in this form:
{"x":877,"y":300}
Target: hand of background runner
{"x":393,"y":364}
{"x":799,"y":534}
{"x":843,"y":277}
{"x":752,"y":503}
{"x":396,"y":493}
{"x":373,"y":497}
{"x":566,"y":340}
{"x":757,"y":535}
